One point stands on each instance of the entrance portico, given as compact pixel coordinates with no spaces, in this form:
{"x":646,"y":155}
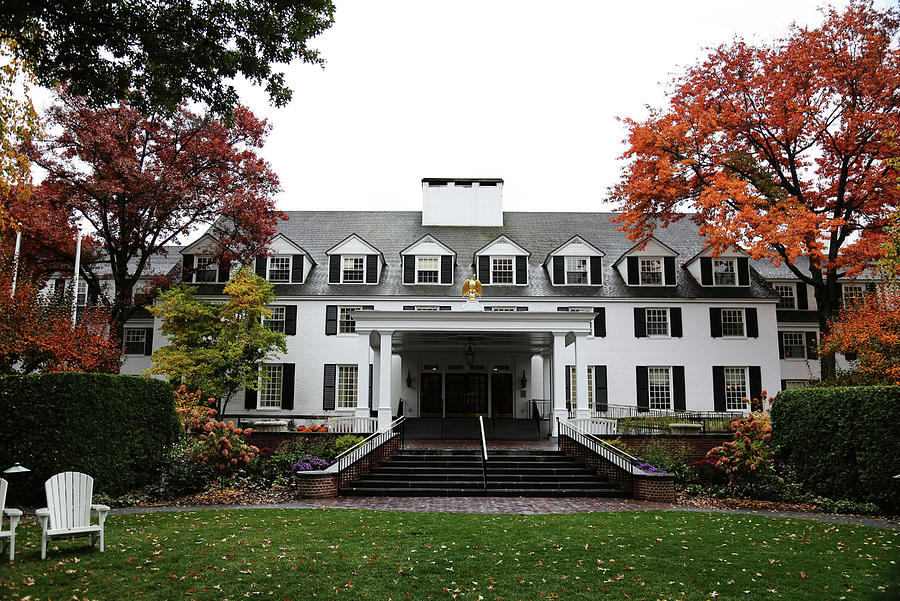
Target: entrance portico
{"x":502,"y":337}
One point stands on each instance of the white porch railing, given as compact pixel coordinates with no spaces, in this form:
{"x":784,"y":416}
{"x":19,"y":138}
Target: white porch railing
{"x":363,"y":448}
{"x":352,"y":424}
{"x":593,"y":425}
{"x":614,"y":455}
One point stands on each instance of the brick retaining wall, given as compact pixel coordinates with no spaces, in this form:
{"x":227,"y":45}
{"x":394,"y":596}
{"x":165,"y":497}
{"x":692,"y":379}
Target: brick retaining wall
{"x":695,"y":446}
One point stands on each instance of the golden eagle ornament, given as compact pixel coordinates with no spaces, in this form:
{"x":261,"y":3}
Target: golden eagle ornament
{"x":472,"y":287}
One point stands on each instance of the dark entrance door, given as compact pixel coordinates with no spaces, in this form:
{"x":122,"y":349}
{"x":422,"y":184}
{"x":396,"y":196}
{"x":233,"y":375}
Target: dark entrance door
{"x":466,"y":395}
{"x":502,"y":395}
{"x":430,"y":399}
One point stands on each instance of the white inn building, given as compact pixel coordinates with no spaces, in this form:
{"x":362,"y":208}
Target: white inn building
{"x":572,"y":313}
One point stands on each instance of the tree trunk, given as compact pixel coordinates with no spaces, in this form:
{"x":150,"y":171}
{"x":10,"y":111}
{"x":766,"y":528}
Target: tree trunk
{"x":828,"y":302}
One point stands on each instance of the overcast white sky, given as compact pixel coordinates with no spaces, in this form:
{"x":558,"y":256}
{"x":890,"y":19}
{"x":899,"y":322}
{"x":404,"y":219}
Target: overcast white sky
{"x":527,"y":91}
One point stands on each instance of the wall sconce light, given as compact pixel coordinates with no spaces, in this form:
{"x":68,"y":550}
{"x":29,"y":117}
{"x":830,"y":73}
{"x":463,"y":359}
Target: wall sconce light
{"x":408,"y":379}
{"x":469,"y":355}
{"x":524,"y":379}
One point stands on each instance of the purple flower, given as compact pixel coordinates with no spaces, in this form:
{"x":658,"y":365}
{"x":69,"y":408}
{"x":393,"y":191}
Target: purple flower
{"x":310,"y":463}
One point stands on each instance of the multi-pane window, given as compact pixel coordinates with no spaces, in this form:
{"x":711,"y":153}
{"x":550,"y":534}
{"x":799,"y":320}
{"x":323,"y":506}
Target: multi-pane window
{"x":135,"y":339}
{"x":502,"y":270}
{"x":794,"y":344}
{"x":576,"y":270}
{"x":346,"y":386}
{"x":786,"y":296}
{"x":270,"y":391}
{"x":651,"y":272}
{"x":82,"y":293}
{"x":353,"y":269}
{"x":346,"y":325}
{"x":573,"y":381}
{"x":279,"y":269}
{"x":657,"y":322}
{"x":206,"y":270}
{"x":590,"y":387}
{"x":853,"y":293}
{"x":732,"y":322}
{"x":735,"y":388}
{"x":426,"y":308}
{"x":427,"y":270}
{"x":795,"y":384}
{"x":496,"y":309}
{"x":724,"y":272}
{"x":573,"y":376}
{"x":660,"y":387}
{"x":276,"y":321}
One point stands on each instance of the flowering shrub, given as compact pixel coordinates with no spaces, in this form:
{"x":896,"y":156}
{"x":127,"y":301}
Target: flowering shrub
{"x":222,"y":447}
{"x":193,"y":412}
{"x":322,"y":428}
{"x":309,"y":463}
{"x":649,"y":468}
{"x":749,"y":458}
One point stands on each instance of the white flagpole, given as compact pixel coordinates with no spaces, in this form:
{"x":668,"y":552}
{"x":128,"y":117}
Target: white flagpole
{"x":16,"y":259}
{"x":75,"y":279}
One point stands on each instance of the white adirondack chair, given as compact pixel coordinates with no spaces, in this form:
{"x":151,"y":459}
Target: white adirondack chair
{"x":68,"y":511}
{"x":8,"y":537}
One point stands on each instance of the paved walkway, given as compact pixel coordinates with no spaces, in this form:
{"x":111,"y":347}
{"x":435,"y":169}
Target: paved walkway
{"x":522,"y":505}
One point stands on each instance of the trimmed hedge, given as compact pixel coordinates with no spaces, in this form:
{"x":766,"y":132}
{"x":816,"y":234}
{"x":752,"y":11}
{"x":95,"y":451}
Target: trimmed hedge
{"x":841,"y":442}
{"x":115,"y":428}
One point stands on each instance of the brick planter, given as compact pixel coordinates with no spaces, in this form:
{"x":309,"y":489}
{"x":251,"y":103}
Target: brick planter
{"x":695,"y":446}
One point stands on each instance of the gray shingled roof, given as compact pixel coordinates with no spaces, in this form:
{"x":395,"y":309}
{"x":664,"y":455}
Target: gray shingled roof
{"x":539,"y":233}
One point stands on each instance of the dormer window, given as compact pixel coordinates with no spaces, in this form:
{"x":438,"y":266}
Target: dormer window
{"x":577,"y":270}
{"x":427,"y":270}
{"x":279,"y":269}
{"x":354,"y":261}
{"x":353,"y":269}
{"x":724,"y":272}
{"x":205,"y":270}
{"x":651,"y":272}
{"x":648,"y":263}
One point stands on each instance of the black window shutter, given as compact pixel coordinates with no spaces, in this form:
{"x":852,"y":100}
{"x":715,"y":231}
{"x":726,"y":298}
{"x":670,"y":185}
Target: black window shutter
{"x":781,"y":345}
{"x":802,"y":299}
{"x":371,"y":269}
{"x":371,"y":383}
{"x":331,"y":320}
{"x":596,"y":275}
{"x":675,"y":327}
{"x":261,"y":266}
{"x":224,"y":270}
{"x":334,"y":269}
{"x":743,"y":271}
{"x":484,"y":270}
{"x":287,"y":386}
{"x":755,"y":387}
{"x":187,"y":268}
{"x":521,"y":270}
{"x":290,"y":320}
{"x":569,"y":383}
{"x":601,"y":390}
{"x":409,"y":269}
{"x":718,"y":388}
{"x":715,"y":322}
{"x":669,"y":270}
{"x":643,"y":388}
{"x":678,"y":385}
{"x":297,"y":268}
{"x":250,"y":399}
{"x":784,"y":384}
{"x":706,"y":277}
{"x":559,"y":270}
{"x":148,"y":341}
{"x":640,"y":323}
{"x":634,"y":278}
{"x":600,"y":322}
{"x":447,"y":269}
{"x":811,"y":345}
{"x":752,"y":323}
{"x":328,"y":386}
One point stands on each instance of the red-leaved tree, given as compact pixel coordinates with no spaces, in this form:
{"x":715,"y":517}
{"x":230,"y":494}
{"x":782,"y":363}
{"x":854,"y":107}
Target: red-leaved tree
{"x":783,"y":149}
{"x":144,"y":181}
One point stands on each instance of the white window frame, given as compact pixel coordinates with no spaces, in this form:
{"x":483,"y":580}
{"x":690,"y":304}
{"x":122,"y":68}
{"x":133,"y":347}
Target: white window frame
{"x":209,"y":266}
{"x":786,"y":286}
{"x":346,"y":385}
{"x":802,"y":345}
{"x":743,"y":321}
{"x":346,"y":323}
{"x":436,"y":270}
{"x":279,"y":315}
{"x":504,"y":309}
{"x":138,"y":336}
{"x":850,"y":293}
{"x":81,"y":297}
{"x":659,"y":388}
{"x":649,"y":262}
{"x":733,"y":401}
{"x":665,"y":311}
{"x":570,"y":268}
{"x":354,"y":258}
{"x":733,"y":271}
{"x":269,"y":268}
{"x":512,"y":269}
{"x":269,"y":397}
{"x":426,"y":307}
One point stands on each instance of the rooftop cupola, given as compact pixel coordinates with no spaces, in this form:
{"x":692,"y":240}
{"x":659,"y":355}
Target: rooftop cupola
{"x":461,"y":201}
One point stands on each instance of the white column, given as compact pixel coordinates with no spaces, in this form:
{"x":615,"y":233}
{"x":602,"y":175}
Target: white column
{"x":362,"y":376}
{"x":547,"y":384}
{"x":559,"y":380}
{"x":384,"y":381}
{"x":582,"y":411}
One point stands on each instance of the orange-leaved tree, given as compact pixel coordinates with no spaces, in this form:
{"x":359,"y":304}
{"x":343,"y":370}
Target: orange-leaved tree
{"x":783,"y":149}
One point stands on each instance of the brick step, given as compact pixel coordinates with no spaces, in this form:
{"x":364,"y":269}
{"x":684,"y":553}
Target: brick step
{"x":477,"y":492}
{"x":475,"y":483}
{"x":527,"y":472}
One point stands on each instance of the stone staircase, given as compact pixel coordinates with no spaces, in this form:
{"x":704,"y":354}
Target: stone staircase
{"x":446,"y":473}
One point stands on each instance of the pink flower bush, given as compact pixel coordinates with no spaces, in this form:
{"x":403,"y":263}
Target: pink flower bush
{"x":749,"y":458}
{"x":223,"y":446}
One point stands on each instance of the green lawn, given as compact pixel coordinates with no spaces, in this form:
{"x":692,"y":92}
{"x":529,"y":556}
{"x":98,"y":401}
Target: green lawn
{"x":355,"y":554}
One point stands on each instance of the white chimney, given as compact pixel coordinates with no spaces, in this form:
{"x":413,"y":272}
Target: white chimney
{"x":457,"y":201}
